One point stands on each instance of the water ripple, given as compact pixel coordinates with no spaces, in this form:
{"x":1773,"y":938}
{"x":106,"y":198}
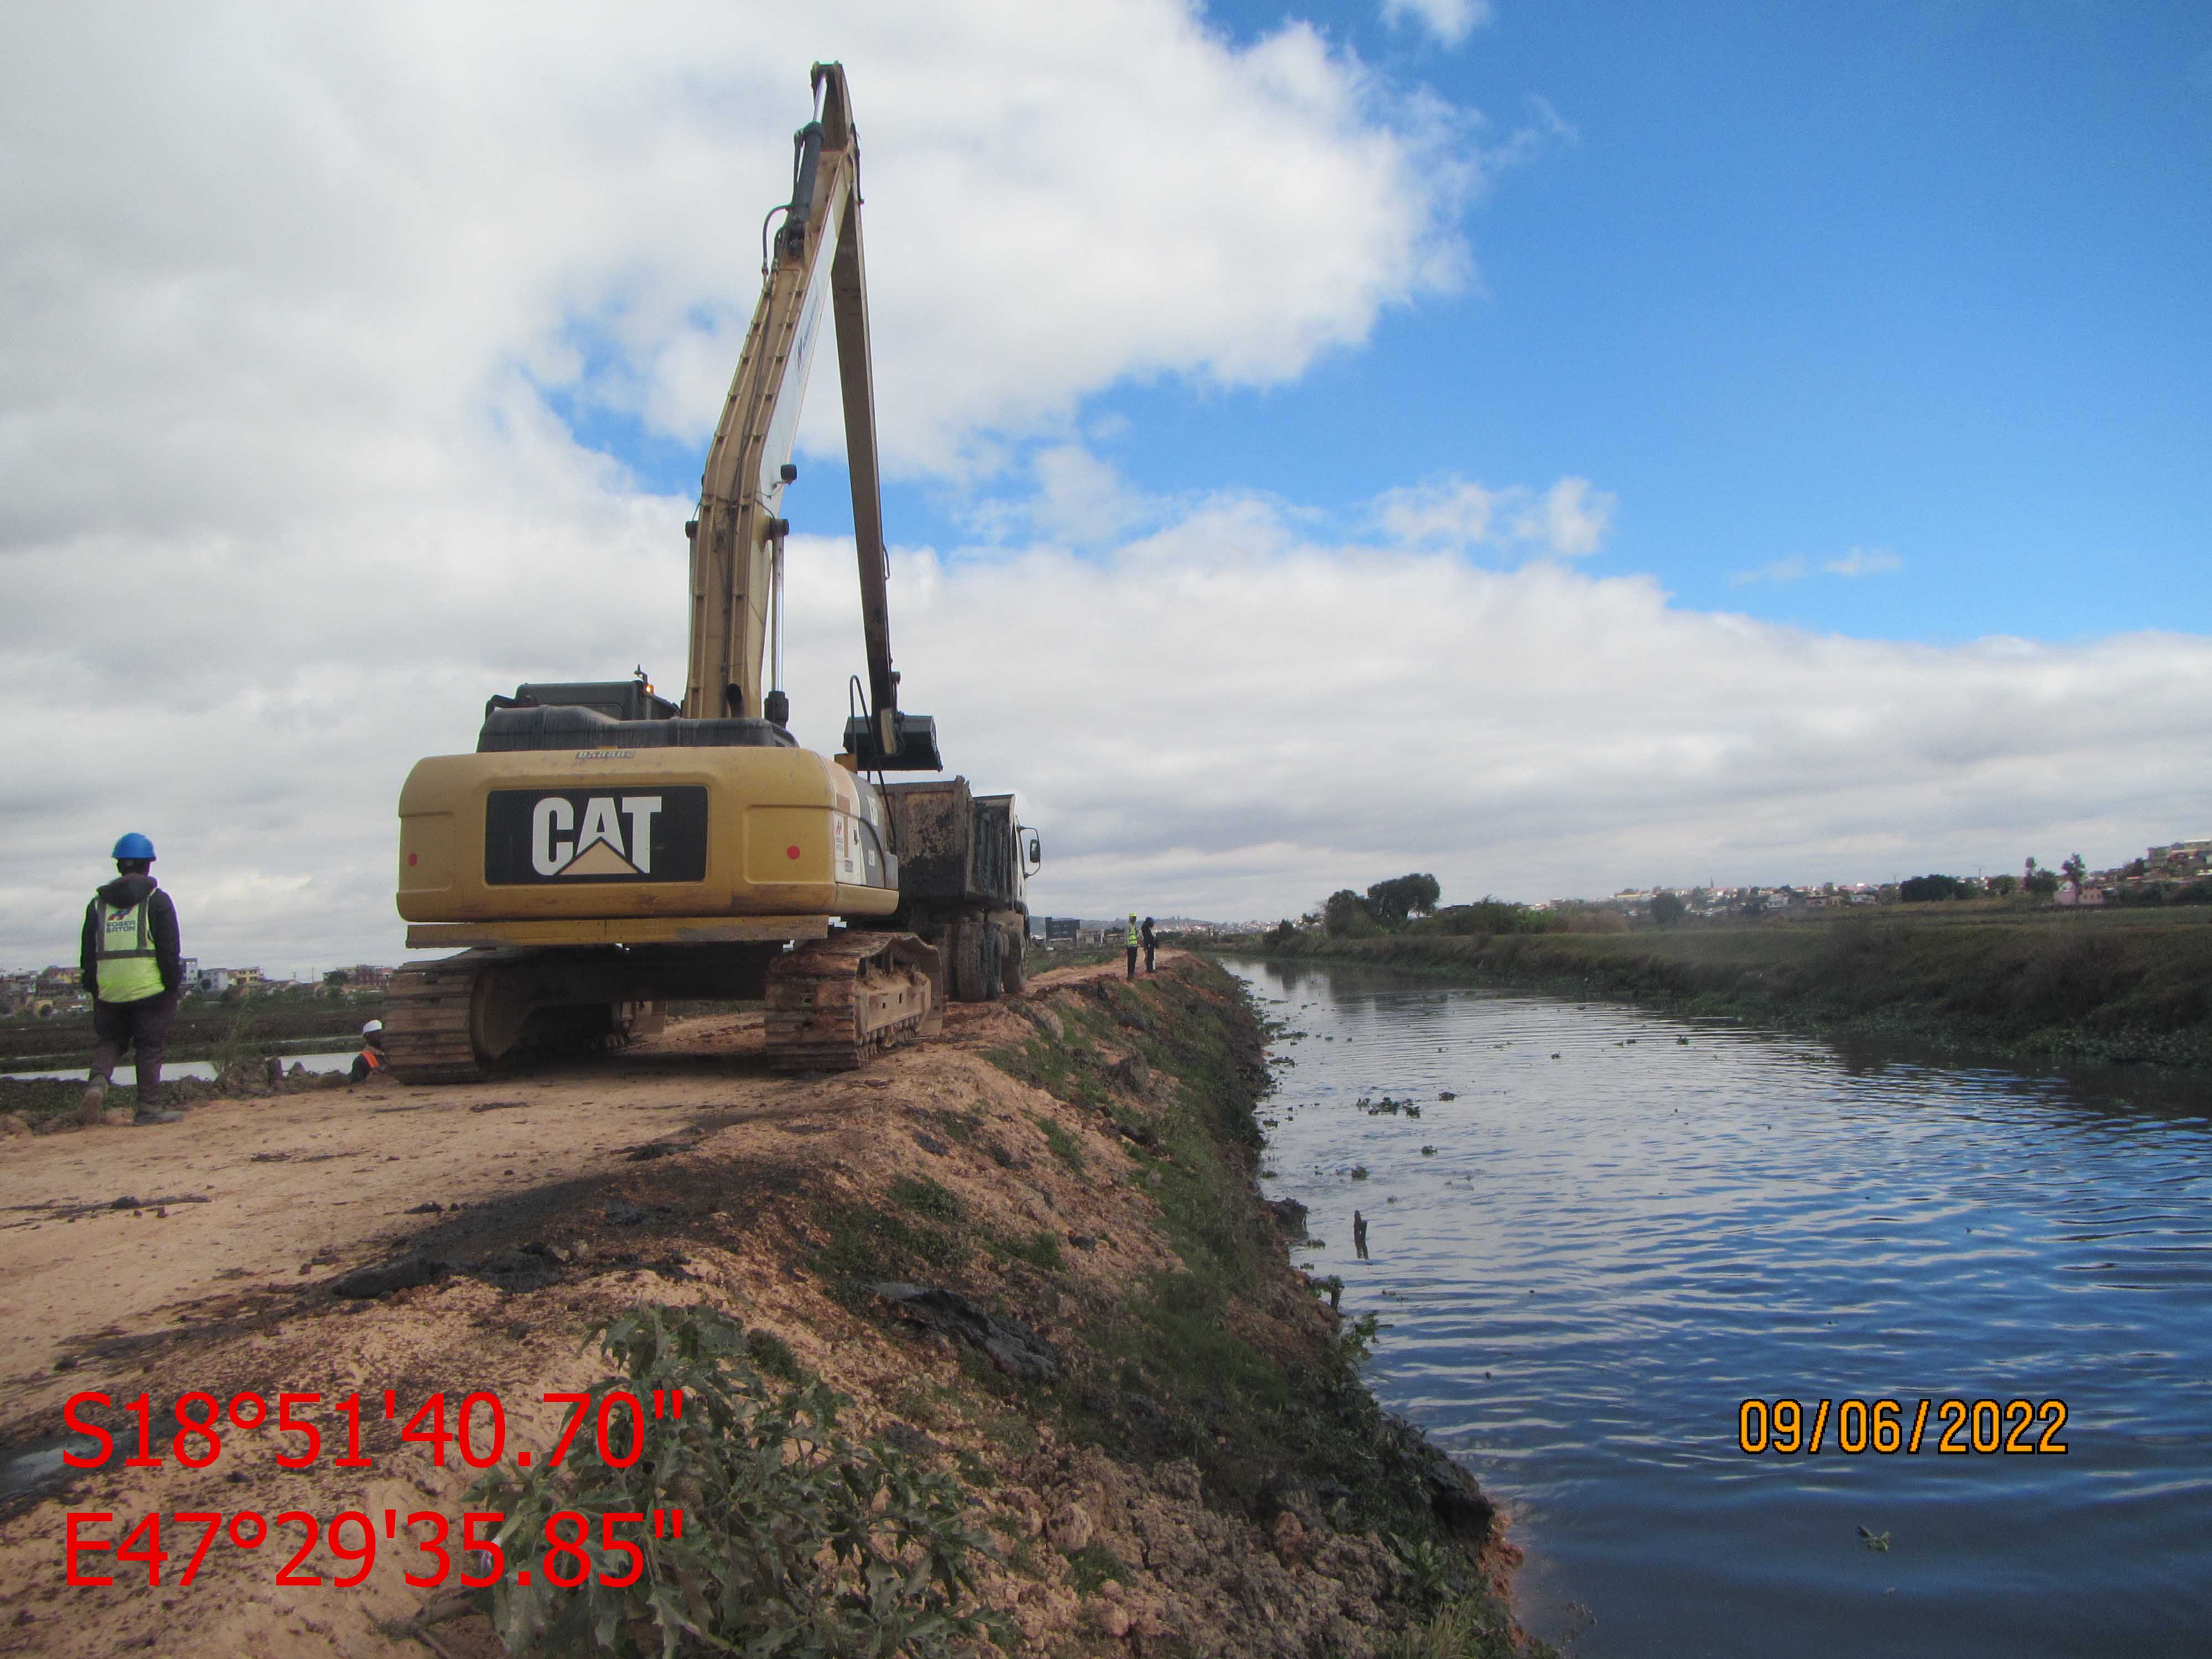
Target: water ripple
{"x":1618,"y":1237}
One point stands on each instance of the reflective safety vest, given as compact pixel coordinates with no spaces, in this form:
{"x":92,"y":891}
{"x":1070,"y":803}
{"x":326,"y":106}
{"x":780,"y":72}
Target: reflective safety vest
{"x":372,"y":1056}
{"x":1133,"y":935}
{"x":126,"y":970}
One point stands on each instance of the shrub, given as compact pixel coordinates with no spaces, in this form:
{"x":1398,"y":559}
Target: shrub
{"x":795,"y":1541}
{"x":1344,"y":910}
{"x":1486,"y":916}
{"x":1923,"y":890}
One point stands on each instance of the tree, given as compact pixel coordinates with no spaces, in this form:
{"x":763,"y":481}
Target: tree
{"x":337,"y":976}
{"x":2076,"y":871}
{"x":2041,"y":882}
{"x":2004,"y":886}
{"x":1390,"y":901}
{"x":1666,"y":909}
{"x":1923,"y":890}
{"x":1341,"y":908}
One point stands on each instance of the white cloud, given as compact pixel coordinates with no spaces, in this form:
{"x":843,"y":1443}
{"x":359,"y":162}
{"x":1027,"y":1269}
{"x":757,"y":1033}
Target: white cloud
{"x":1568,"y":520}
{"x":1222,"y":717}
{"x":1229,"y":718}
{"x":1791,"y":569}
{"x":1859,"y":561}
{"x":281,"y":503}
{"x":1865,"y":561}
{"x":250,"y":219}
{"x":1081,"y":500}
{"x":1573,"y":519}
{"x":1452,"y":513}
{"x":1451,"y":21}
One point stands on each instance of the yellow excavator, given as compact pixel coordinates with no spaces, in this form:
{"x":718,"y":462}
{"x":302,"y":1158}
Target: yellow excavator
{"x":605,"y":850}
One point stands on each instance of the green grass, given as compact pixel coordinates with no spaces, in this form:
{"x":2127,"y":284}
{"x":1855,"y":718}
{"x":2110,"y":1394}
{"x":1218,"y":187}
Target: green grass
{"x":1063,"y":1146}
{"x":1092,"y":1565}
{"x":958,"y":1125}
{"x":925,"y":1197}
{"x":1040,"y":1249}
{"x":867,"y":1246}
{"x":772,"y":1356}
{"x":947,"y":1242}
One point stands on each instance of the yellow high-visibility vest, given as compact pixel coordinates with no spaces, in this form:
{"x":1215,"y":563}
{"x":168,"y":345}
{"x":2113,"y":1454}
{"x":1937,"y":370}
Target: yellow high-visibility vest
{"x":1132,"y":933}
{"x":126,"y":969}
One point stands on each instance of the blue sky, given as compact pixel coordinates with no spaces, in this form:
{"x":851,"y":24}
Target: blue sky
{"x":1927,"y":281}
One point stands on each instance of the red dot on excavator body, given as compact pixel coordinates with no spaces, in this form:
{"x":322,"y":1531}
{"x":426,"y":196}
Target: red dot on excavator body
{"x":411,"y":857}
{"x":791,"y":851}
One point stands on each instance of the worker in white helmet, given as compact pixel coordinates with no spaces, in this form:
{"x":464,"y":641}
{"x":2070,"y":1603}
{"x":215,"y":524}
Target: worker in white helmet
{"x":371,"y":1060}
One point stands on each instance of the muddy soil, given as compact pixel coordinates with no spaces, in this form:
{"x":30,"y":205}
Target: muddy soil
{"x":464,"y":1239}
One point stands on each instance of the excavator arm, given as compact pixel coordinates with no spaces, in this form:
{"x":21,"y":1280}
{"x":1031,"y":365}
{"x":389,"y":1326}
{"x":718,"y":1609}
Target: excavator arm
{"x":814,"y":261}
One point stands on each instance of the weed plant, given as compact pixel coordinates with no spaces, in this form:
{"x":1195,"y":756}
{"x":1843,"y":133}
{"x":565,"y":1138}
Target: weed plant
{"x":796,"y":1541}
{"x":1465,"y":1628}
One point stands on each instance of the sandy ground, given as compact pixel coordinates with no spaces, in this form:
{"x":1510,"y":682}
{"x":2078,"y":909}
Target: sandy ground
{"x":204,"y":1256}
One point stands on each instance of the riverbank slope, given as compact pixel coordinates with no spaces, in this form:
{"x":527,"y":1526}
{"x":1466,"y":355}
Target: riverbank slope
{"x":2128,"y":986}
{"x":1152,"y":1427}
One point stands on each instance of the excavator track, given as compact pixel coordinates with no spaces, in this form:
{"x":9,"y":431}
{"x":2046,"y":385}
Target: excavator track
{"x":834,"y":1004}
{"x":428,"y":1010}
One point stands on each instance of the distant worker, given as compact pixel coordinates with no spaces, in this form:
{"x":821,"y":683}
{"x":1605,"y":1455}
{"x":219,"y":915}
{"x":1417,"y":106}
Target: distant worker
{"x":1133,"y":943}
{"x":372,"y":1059}
{"x":133,"y":969}
{"x":1151,"y":945}
{"x":1359,"y":1235}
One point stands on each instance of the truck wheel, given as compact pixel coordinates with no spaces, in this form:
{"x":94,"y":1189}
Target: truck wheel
{"x":1012,"y":976}
{"x":994,"y":959}
{"x":973,"y":960}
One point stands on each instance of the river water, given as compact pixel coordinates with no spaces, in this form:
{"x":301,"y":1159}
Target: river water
{"x":1629,"y":1226}
{"x":126,"y":1074}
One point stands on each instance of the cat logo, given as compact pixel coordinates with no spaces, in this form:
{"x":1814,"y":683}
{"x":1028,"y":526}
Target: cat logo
{"x":547,"y":836}
{"x":596,"y":849}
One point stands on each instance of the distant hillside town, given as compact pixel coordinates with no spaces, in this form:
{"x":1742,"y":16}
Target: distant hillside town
{"x":2161,"y":875}
{"x":45,"y":991}
{"x":1071,"y":933}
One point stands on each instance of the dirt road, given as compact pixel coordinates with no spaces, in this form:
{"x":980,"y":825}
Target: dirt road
{"x":214,"y":1255}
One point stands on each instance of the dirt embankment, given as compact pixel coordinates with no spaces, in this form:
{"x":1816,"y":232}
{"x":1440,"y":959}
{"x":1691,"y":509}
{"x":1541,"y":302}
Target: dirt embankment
{"x":1157,"y":1423}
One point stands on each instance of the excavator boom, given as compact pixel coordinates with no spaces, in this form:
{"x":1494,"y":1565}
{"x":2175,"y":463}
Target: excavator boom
{"x":815,"y":262}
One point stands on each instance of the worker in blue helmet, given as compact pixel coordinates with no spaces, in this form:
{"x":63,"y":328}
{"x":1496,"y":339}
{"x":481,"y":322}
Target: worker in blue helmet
{"x":133,"y":969}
